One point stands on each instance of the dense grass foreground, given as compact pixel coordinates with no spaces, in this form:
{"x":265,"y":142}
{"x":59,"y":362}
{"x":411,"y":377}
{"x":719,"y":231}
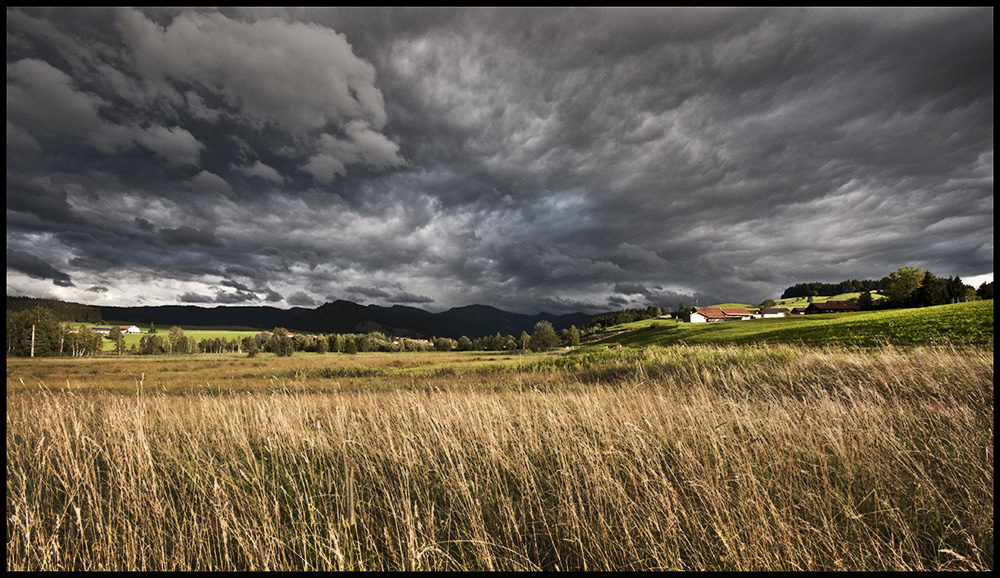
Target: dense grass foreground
{"x":684,"y":458}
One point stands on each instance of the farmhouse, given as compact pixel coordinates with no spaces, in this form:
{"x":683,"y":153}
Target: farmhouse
{"x":737,"y":314}
{"x":102,"y":330}
{"x":832,"y":307}
{"x":129,"y":329}
{"x":705,"y":315}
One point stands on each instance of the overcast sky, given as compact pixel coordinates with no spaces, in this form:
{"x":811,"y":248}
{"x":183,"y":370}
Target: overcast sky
{"x":531,"y":159}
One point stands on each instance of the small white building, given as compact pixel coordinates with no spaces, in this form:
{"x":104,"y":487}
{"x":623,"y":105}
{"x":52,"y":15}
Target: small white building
{"x":769,"y":312}
{"x":129,"y":329}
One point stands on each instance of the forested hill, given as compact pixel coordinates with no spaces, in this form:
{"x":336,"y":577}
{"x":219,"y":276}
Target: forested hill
{"x":62,"y":310}
{"x":471,"y":321}
{"x":220,"y":316}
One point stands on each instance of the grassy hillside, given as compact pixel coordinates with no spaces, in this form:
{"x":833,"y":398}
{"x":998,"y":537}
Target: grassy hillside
{"x":793,"y":302}
{"x":962,"y":323}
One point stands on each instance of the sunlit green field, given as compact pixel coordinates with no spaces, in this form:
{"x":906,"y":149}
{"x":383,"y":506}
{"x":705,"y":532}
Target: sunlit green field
{"x":196,"y":333}
{"x":961,"y":323}
{"x":793,"y":302}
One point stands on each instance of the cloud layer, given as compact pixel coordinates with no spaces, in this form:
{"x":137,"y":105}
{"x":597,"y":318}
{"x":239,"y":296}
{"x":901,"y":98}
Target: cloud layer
{"x":531,"y":159}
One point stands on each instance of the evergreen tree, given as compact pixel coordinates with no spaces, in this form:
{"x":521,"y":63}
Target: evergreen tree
{"x":865,"y":301}
{"x":985,"y":290}
{"x":932,"y":291}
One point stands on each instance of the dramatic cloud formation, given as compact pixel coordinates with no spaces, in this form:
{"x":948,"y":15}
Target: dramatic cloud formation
{"x":530,"y":159}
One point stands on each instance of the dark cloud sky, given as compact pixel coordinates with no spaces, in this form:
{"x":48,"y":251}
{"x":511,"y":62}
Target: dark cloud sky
{"x":530,"y":159}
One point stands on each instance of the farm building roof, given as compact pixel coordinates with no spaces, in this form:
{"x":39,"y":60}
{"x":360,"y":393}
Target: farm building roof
{"x":734,"y":311}
{"x":710,"y":312}
{"x":773,"y":310}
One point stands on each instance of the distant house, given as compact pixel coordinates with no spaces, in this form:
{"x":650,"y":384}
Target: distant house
{"x":705,"y":315}
{"x":832,"y":307}
{"x":129,"y":329}
{"x":769,"y":312}
{"x":799,"y":311}
{"x":101,"y":330}
{"x":737,"y":314}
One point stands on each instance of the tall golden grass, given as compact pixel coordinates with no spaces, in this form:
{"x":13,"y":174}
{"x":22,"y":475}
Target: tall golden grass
{"x":688,"y":458}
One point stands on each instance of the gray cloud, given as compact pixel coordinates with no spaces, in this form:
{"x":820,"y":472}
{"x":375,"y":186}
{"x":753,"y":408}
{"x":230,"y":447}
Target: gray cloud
{"x":194,"y":298}
{"x":528,"y":159}
{"x":35,"y":267}
{"x":301,"y":299}
{"x":368,"y":291}
{"x":408,"y":298}
{"x":185,"y":235}
{"x":630,"y":289}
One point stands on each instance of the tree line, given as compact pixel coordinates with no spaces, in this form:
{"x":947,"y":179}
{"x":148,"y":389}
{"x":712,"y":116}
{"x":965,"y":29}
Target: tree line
{"x":37,"y":332}
{"x":625,"y":316}
{"x":817,"y":289}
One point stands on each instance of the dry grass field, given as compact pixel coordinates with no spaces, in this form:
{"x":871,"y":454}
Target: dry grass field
{"x":681,"y":458}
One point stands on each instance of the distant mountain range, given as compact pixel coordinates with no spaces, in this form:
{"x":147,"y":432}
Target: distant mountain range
{"x":340,"y":316}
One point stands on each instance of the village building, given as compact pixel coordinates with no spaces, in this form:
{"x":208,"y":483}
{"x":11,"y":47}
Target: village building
{"x":737,"y":314}
{"x":129,"y":329}
{"x":705,"y":315}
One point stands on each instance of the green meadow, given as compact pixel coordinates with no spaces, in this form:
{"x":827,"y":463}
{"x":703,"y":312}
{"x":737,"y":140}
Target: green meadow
{"x":195,"y":332}
{"x":968,"y":323}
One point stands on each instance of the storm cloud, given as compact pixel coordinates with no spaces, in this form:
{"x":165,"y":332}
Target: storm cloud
{"x":531,"y":159}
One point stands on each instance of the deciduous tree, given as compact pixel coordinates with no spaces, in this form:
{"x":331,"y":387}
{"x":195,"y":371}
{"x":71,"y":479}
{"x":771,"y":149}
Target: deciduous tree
{"x":543,"y":337}
{"x":903,"y":283}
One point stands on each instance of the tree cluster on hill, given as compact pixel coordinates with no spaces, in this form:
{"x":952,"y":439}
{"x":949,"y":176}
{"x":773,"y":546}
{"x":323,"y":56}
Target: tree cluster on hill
{"x":816,"y":289}
{"x":905,"y":287}
{"x":914,"y":287}
{"x":36,"y":332}
{"x":625,"y":316}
